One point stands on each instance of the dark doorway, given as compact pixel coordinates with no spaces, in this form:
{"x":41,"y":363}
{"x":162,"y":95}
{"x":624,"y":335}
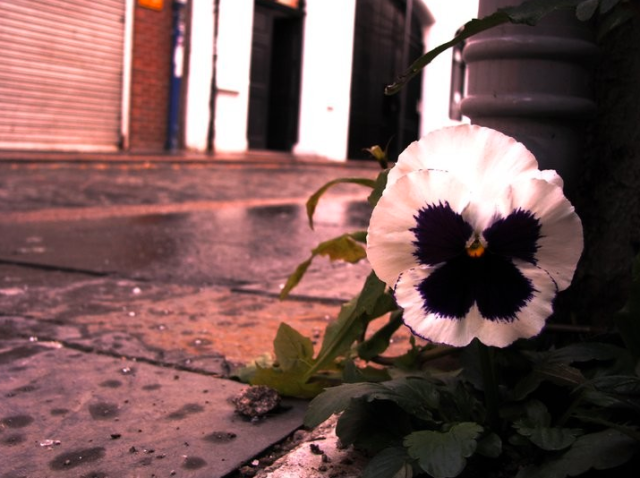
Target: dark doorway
{"x":275,"y":77}
{"x":377,"y":60}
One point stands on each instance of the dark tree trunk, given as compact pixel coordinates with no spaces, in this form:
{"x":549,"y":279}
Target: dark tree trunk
{"x":608,"y":199}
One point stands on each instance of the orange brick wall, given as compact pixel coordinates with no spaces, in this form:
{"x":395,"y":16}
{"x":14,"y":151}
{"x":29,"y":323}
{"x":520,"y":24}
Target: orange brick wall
{"x":150,"y":78}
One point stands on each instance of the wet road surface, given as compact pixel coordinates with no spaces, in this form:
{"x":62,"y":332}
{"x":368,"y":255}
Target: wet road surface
{"x":128,"y":292}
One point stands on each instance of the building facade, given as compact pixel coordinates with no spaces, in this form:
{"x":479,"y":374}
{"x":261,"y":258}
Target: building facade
{"x":226,"y":76}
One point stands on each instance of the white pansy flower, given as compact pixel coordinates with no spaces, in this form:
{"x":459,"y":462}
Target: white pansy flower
{"x":475,"y":240}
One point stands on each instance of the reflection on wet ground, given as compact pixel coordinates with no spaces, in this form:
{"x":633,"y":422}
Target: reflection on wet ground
{"x":227,"y":245}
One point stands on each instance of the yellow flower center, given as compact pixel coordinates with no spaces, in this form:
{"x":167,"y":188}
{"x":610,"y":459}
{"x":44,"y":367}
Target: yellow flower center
{"x":475,"y":249}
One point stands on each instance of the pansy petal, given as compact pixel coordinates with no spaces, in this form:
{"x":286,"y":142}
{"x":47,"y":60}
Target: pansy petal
{"x":458,"y":332}
{"x":485,"y":160}
{"x":561,"y":242}
{"x":390,"y":240}
{"x":550,"y":176}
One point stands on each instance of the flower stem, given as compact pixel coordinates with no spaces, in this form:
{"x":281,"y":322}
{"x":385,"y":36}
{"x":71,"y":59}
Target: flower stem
{"x":487,"y":367}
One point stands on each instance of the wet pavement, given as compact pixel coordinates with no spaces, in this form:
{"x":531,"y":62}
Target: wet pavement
{"x":130,"y":291}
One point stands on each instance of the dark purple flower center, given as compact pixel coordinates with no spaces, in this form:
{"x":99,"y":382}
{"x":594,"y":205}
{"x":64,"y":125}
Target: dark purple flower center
{"x":470,"y":272}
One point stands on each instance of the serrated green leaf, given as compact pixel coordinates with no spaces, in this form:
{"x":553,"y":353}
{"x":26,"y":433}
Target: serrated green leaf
{"x":444,"y":454}
{"x":312,"y":202}
{"x":391,"y":462}
{"x":536,"y":426}
{"x":292,"y":349}
{"x":335,"y":400}
{"x":537,"y":414}
{"x":379,"y":341}
{"x":601,"y":450}
{"x":417,"y":396}
{"x":586,"y":10}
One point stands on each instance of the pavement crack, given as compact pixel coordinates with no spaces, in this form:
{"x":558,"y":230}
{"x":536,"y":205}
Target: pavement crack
{"x":49,"y":267}
{"x":226,"y":366}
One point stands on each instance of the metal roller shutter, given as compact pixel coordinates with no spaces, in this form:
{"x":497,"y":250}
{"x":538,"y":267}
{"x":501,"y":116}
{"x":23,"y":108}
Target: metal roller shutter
{"x":61,"y":74}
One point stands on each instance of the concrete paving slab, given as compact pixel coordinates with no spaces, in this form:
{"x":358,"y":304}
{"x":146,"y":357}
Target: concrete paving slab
{"x":68,"y":413}
{"x":208,"y":329}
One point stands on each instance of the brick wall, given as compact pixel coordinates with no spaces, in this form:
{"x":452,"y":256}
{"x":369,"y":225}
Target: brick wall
{"x":150,"y":78}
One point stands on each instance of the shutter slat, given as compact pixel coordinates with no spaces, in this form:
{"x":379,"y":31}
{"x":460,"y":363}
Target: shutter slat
{"x":61,"y":77}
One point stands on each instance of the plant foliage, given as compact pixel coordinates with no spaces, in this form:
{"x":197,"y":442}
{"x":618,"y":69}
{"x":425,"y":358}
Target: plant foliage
{"x":565,"y":405}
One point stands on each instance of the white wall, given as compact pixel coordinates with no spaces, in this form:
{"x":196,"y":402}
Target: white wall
{"x":436,"y":81}
{"x":326,"y":78}
{"x":326,"y":73}
{"x":233,"y":66}
{"x":197,"y":111}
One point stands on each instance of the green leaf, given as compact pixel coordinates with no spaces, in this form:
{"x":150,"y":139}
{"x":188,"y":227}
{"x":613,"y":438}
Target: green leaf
{"x":353,"y":374}
{"x":550,"y":439}
{"x":585,"y":352}
{"x":606,"y":5}
{"x":295,"y":278}
{"x":245,"y":374}
{"x":560,"y":374}
{"x":287,"y":383}
{"x":312,"y":202}
{"x":292,"y":348}
{"x":391,"y":462}
{"x":379,"y":341}
{"x":529,"y":13}
{"x":490,"y":446}
{"x":613,"y":20}
{"x":294,"y":355}
{"x":339,"y":336}
{"x":444,"y":454}
{"x":335,"y":400}
{"x":532,"y":11}
{"x":373,"y":426}
{"x":586,"y":9}
{"x":381,"y":184}
{"x":346,"y":248}
{"x":614,"y":391}
{"x":601,"y":450}
{"x":415,"y":395}
{"x":536,"y":426}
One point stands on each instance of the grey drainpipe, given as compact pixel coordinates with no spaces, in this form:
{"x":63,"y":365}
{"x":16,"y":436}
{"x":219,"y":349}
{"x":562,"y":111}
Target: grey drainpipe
{"x":535,"y":84}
